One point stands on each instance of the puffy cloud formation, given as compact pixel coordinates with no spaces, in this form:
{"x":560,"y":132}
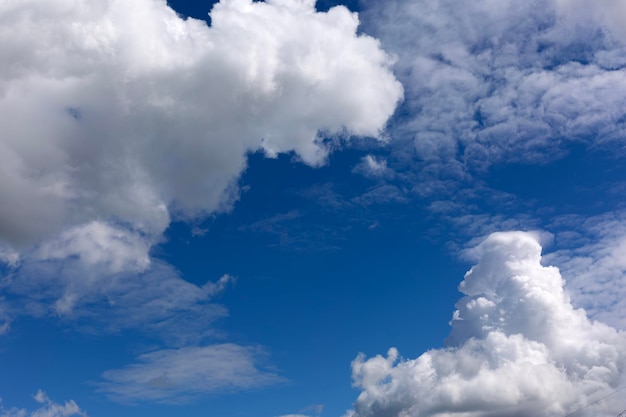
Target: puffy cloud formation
{"x":488,"y":80}
{"x":178,"y":375}
{"x":48,"y":409}
{"x":517,"y":348}
{"x":127,"y":113}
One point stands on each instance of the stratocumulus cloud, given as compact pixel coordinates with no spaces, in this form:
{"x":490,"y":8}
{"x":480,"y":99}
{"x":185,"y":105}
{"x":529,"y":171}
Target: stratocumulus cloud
{"x":517,"y":348}
{"x":124,"y":111}
{"x":498,"y":81}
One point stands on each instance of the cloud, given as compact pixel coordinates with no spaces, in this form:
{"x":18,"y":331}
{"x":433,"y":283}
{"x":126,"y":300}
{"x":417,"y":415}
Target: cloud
{"x":489,"y":82}
{"x":48,"y":409}
{"x":517,"y":348}
{"x":179,"y":375}
{"x":100,"y":277}
{"x":125,"y":112}
{"x":294,"y":415}
{"x":591,"y":256}
{"x":382,"y":194}
{"x":373,"y":167}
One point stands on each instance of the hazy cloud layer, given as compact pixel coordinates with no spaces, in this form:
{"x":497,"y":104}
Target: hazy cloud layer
{"x":179,"y":375}
{"x":517,"y":348}
{"x":491,"y":81}
{"x":82,"y":278}
{"x":124,"y":111}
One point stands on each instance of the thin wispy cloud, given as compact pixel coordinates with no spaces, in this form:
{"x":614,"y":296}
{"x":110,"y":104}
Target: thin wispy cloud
{"x":181,"y":375}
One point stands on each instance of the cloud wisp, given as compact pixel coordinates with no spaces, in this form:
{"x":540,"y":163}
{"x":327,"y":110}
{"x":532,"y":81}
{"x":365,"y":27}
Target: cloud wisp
{"x":517,"y":348}
{"x":181,"y":375}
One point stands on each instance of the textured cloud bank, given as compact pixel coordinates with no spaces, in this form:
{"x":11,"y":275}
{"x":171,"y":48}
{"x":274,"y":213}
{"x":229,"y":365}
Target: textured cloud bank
{"x":517,"y":348}
{"x":125,"y":112}
{"x":488,"y":81}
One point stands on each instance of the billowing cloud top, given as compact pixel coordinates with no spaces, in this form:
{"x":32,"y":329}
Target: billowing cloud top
{"x":125,"y":112}
{"x":517,"y":348}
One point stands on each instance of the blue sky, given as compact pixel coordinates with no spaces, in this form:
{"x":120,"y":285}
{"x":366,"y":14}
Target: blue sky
{"x":396,"y":208}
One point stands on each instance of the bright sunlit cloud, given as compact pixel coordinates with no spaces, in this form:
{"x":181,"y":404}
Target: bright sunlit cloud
{"x":517,"y":348}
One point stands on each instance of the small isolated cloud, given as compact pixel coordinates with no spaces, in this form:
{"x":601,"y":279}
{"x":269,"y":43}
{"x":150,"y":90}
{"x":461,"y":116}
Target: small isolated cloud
{"x":180,"y":375}
{"x":48,"y":408}
{"x":518,"y":348}
{"x":374,"y":167}
{"x":294,"y":415}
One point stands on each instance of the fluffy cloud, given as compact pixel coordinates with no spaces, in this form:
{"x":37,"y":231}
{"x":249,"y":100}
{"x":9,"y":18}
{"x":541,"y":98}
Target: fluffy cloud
{"x":517,"y":348}
{"x":178,"y":375}
{"x":488,"y":81}
{"x":126,"y":112}
{"x":48,"y":409}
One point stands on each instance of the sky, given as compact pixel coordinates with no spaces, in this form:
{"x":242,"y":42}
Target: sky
{"x":399,"y":208}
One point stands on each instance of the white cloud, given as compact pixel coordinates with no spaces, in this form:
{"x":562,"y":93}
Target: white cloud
{"x":517,"y":348}
{"x":48,"y":409}
{"x":123,"y":111}
{"x":373,"y":167}
{"x":179,"y":375}
{"x":294,"y":415}
{"x":491,"y":81}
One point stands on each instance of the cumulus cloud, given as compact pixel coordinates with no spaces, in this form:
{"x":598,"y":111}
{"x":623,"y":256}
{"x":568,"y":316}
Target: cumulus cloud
{"x":517,"y":348}
{"x":499,"y":81}
{"x":126,"y":112}
{"x":179,"y":375}
{"x":48,"y":409}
